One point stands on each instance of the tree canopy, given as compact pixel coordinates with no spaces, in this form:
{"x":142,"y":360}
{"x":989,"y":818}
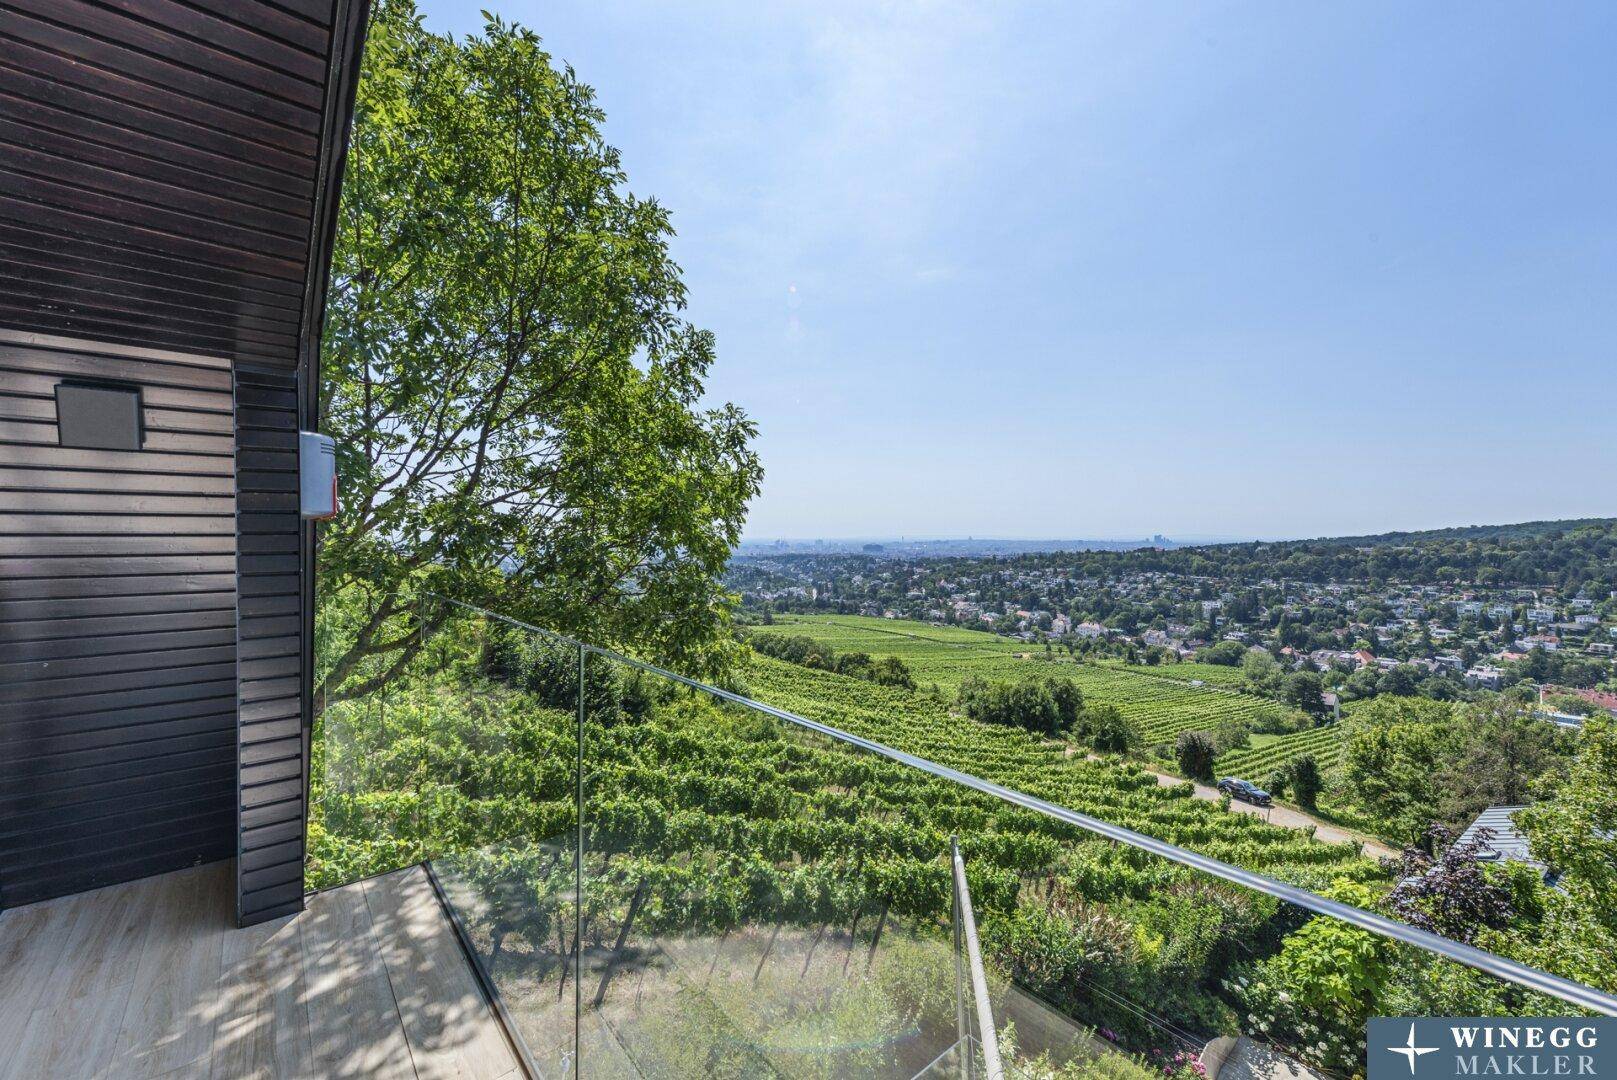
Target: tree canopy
{"x":1412,"y":762}
{"x":1045,"y":706}
{"x":516,"y":396}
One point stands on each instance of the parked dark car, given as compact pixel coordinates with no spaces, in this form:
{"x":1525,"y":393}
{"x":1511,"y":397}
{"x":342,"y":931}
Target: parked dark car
{"x":1237,"y":788}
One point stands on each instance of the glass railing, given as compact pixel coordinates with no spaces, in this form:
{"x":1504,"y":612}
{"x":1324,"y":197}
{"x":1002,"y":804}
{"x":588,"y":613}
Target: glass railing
{"x":755,"y":892}
{"x":464,"y":761}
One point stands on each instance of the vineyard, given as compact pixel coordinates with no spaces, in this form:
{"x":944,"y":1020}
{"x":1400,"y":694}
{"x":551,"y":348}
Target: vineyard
{"x":1257,"y":761}
{"x":1117,"y":793}
{"x":1154,"y":698}
{"x":1219,"y":675}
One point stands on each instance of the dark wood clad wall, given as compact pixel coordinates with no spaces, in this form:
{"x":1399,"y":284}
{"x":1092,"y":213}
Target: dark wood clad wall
{"x":168,"y":180}
{"x":158,"y":169}
{"x":117,"y":624}
{"x":269,"y":864}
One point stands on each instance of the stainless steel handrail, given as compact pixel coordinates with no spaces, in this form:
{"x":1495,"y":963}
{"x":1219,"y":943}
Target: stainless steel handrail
{"x":979,"y":978}
{"x":1574,"y":993}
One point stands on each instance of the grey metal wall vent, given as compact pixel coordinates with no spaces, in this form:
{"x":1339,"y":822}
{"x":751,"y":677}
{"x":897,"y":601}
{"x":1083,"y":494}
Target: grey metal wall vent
{"x":98,"y":417}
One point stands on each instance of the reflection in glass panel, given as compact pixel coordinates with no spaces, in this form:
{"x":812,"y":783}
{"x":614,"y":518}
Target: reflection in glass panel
{"x":465,"y":760}
{"x":748,"y":911}
{"x":1121,"y":962}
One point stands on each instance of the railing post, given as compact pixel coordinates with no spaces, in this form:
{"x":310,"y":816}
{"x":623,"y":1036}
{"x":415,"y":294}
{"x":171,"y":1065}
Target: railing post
{"x":578,"y":877}
{"x":979,"y":979}
{"x":968,"y":1059}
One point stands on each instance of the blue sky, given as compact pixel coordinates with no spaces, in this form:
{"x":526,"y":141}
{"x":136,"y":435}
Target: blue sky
{"x":1103,"y":270}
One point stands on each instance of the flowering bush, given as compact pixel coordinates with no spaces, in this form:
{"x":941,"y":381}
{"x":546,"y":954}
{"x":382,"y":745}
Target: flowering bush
{"x":1181,"y":1065}
{"x":1314,"y":996}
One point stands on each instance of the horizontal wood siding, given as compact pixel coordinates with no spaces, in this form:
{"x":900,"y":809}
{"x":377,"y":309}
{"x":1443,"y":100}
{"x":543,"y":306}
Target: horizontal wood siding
{"x":269,"y":630}
{"x":117,"y":624}
{"x":159,"y":165}
{"x":169,"y":176}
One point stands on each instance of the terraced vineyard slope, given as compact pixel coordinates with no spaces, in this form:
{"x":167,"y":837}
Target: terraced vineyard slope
{"x":1116,"y":793}
{"x":1263,"y":757}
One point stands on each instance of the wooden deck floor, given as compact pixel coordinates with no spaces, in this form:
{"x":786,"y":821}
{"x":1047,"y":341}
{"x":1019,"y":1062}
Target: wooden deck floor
{"x":150,"y":979}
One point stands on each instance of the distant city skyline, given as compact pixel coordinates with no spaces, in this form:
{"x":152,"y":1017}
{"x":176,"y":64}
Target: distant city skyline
{"x":1178,"y":539}
{"x":1032,"y":270}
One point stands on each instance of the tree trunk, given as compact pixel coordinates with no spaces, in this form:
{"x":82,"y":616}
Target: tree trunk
{"x":759,"y":970}
{"x":815,"y":944}
{"x":623,"y":939}
{"x":881,"y":924}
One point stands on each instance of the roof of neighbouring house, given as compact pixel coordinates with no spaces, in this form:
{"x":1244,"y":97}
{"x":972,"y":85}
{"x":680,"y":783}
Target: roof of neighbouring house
{"x":1508,"y":841}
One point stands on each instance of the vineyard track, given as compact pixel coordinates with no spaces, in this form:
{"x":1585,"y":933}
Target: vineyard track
{"x":1290,"y":818}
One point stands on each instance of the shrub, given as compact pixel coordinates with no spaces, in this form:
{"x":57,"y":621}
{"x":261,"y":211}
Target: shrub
{"x":1304,"y":779}
{"x":1195,"y":753}
{"x":1049,"y":953}
{"x":1277,"y":783}
{"x":1316,"y":993}
{"x":1047,"y":707}
{"x":891,"y":671}
{"x":1106,"y":729}
{"x":1453,"y":895}
{"x":806,"y":652}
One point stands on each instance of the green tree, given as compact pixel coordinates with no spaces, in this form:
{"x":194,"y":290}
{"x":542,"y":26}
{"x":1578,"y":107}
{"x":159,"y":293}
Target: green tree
{"x":1226,"y":653}
{"x":1195,"y":753}
{"x":1262,"y":672}
{"x":1105,"y":728}
{"x":1402,"y":680}
{"x":1046,"y":706}
{"x":891,"y":671}
{"x":1304,"y":690}
{"x":1499,"y":756}
{"x":1390,"y":759}
{"x":1575,"y":831}
{"x":515,"y":395}
{"x":1304,"y":779}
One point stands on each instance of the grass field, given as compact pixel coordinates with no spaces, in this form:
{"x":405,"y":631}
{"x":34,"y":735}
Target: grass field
{"x":1155,"y":698}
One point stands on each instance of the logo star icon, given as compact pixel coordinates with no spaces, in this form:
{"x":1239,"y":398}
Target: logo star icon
{"x":1411,"y":1051}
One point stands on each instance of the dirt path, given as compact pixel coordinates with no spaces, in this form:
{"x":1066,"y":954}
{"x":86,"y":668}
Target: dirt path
{"x":1287,"y":816}
{"x":1275,"y":815}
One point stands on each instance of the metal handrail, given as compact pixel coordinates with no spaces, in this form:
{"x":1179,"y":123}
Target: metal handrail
{"x":979,"y":978}
{"x":1574,"y":993}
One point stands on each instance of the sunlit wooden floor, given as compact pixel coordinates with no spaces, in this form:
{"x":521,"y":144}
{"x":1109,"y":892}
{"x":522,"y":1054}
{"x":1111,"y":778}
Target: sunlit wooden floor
{"x":151,"y":979}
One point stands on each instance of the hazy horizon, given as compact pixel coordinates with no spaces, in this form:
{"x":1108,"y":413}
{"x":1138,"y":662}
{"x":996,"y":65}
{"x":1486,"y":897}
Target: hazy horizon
{"x":1036,"y":270}
{"x":1189,"y":539}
